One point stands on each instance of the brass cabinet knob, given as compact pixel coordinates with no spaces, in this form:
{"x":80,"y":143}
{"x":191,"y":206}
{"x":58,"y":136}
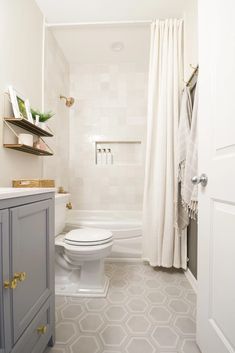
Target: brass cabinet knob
{"x":20,"y":276}
{"x":42,"y":330}
{"x":69,"y":206}
{"x":10,"y":284}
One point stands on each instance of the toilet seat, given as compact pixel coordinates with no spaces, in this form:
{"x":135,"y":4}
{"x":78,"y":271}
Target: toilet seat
{"x":88,"y":237}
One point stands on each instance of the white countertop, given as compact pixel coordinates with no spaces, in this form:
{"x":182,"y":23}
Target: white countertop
{"x":8,"y":193}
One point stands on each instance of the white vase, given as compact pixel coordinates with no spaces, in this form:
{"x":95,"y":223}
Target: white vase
{"x":36,"y":121}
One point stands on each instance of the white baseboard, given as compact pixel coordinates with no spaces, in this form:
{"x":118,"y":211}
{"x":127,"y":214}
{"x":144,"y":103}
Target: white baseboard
{"x":192,"y":280}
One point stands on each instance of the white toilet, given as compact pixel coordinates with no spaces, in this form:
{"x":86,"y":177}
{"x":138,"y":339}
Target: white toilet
{"x":80,"y":255}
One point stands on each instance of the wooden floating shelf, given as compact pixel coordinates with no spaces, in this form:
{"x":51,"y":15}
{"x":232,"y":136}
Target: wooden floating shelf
{"x":28,"y":149}
{"x":27,"y":125}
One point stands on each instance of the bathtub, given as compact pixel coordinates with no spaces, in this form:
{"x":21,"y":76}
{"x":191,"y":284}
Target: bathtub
{"x":126,"y":227}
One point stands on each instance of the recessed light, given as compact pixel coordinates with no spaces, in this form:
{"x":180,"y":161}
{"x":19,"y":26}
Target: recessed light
{"x":117,"y":46}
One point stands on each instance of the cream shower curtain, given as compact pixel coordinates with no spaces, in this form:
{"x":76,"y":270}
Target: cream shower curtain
{"x":163,"y":246}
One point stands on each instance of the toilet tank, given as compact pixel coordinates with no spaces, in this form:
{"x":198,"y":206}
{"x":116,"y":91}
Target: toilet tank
{"x":60,"y":212}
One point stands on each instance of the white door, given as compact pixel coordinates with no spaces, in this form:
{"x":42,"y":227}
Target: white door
{"x":216,"y":271}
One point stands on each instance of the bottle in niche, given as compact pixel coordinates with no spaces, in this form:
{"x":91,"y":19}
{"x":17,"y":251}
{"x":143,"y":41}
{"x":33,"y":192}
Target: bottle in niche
{"x":99,"y":157}
{"x":103,"y":156}
{"x":109,"y":156}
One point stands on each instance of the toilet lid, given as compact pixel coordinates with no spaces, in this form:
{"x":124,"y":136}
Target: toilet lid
{"x":88,"y":236}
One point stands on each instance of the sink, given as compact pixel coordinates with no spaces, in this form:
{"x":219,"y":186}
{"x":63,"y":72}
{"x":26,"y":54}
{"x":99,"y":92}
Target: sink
{"x":2,"y":190}
{"x":7,"y":192}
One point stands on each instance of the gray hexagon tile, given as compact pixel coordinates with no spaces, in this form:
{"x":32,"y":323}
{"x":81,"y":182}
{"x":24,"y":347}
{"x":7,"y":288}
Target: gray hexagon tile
{"x":169,"y":276}
{"x":185,"y":284}
{"x":186,"y":325}
{"x":156,"y":297}
{"x":109,"y":268}
{"x":173,"y":291}
{"x":113,"y":335}
{"x":136,"y":290}
{"x":135,"y":277}
{"x":165,"y":337}
{"x":153,"y":283}
{"x":117,"y":296}
{"x":190,"y":346}
{"x":146,"y":310}
{"x":116,"y":313}
{"x":140,"y":345}
{"x":138,"y":324}
{"x":131,"y":268}
{"x":159,"y":314}
{"x":91,"y":323}
{"x":72,"y":311}
{"x":179,"y":306}
{"x":137,"y":305}
{"x":120,"y":274}
{"x":191,"y":297}
{"x":118,"y":283}
{"x":97,"y":304}
{"x":56,"y":350}
{"x":60,"y":302}
{"x":65,"y":332}
{"x":85,"y":344}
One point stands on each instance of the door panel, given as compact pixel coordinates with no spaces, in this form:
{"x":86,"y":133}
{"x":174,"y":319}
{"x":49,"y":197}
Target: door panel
{"x":30,"y":230}
{"x":222,"y":259}
{"x":216,"y":241}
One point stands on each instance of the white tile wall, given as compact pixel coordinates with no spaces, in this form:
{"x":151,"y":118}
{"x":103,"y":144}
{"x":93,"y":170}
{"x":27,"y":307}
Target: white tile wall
{"x":111,"y":104}
{"x":57,"y":83}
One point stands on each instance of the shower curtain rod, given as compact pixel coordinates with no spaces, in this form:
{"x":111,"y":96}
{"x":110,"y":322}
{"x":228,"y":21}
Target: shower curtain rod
{"x":107,"y":23}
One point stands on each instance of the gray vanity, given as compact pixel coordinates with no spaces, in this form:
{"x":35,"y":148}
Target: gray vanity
{"x":26,"y":270}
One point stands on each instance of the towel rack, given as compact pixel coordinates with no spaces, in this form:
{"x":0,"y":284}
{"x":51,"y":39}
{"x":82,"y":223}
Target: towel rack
{"x":195,"y":72}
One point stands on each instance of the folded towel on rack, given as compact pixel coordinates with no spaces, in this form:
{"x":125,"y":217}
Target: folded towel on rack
{"x":189,"y":191}
{"x":182,"y":218}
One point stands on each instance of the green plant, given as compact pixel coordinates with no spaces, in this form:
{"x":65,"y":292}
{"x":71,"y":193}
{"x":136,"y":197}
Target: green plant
{"x":43,"y":117}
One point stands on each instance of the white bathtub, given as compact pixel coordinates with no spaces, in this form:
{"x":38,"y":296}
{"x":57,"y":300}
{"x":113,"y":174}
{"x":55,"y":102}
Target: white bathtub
{"x":125,"y":225}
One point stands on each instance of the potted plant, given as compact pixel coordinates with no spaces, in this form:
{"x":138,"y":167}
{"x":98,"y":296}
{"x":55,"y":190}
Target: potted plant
{"x":41,"y":118}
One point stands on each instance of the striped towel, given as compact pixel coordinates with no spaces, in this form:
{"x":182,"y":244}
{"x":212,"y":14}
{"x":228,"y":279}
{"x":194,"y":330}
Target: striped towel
{"x":182,"y":218}
{"x":189,"y":192}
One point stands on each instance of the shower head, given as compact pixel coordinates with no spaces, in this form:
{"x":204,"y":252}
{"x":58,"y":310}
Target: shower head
{"x":69,"y":101}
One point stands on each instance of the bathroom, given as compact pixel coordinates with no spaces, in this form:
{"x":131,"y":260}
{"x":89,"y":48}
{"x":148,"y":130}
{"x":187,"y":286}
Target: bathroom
{"x":106,"y":268}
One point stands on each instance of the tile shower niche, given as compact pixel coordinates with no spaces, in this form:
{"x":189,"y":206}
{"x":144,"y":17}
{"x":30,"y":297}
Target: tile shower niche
{"x":118,"y":153}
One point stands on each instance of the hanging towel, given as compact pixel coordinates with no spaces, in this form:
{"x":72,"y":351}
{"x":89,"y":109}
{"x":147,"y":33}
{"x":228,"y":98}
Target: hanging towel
{"x":186,"y":109}
{"x":189,"y":192}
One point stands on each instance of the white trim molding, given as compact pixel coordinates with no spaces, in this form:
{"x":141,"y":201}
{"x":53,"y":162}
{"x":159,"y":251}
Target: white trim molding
{"x":192,"y":280}
{"x":106,"y":23}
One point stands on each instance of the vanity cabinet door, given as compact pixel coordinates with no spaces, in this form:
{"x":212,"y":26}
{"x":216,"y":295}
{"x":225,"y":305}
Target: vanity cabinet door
{"x":5,"y":325}
{"x":32,"y":241}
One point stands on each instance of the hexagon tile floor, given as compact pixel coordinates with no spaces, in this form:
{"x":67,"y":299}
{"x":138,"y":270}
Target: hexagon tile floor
{"x":146,"y":311}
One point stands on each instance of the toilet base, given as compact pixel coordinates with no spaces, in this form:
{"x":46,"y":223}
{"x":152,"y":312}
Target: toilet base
{"x":70,"y":285}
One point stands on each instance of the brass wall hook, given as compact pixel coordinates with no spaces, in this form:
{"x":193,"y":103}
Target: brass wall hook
{"x":69,"y":206}
{"x":194,"y":68}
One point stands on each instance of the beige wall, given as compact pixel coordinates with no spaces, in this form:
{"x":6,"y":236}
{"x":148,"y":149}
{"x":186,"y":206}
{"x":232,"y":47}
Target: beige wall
{"x":57,"y":83}
{"x":21,"y":33}
{"x":190,"y":37}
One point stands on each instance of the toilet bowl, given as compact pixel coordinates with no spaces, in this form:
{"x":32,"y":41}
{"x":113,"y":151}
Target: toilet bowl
{"x":80,"y":256}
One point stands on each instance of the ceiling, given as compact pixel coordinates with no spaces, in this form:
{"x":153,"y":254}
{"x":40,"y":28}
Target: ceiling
{"x":109,"y":10}
{"x":93,"y":44}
